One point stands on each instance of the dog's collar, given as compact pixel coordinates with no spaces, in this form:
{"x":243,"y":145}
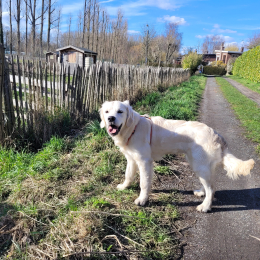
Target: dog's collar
{"x":151,"y":133}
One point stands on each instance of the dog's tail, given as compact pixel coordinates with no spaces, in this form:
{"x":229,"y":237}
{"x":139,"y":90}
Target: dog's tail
{"x":236,"y":167}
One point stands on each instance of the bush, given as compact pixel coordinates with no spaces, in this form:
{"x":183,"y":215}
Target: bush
{"x":230,"y":65}
{"x":218,"y":63}
{"x":191,"y":61}
{"x":213,"y":70}
{"x":248,"y":65}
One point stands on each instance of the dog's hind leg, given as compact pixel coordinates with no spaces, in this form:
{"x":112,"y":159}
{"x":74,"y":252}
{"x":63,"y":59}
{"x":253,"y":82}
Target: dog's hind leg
{"x":209,"y":190}
{"x":130,"y":172}
{"x":200,"y":192}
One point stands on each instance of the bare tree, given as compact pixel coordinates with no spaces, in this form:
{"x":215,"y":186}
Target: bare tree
{"x":58,"y":28}
{"x":41,"y":33}
{"x":69,"y":30}
{"x":173,"y":41}
{"x":52,"y":20}
{"x":254,"y":40}
{"x":88,"y":25}
{"x":33,"y":17}
{"x":26,"y":27}
{"x":212,"y":43}
{"x":148,"y":35}
{"x":232,"y":47}
{"x":11,"y":26}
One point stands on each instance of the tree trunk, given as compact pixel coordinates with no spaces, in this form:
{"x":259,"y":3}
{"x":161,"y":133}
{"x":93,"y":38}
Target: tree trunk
{"x":49,"y":26}
{"x":84,"y":25}
{"x":11,"y":28}
{"x":88,"y":27}
{"x":41,"y":32}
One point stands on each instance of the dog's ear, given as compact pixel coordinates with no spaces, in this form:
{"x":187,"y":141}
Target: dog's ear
{"x":126,"y":102}
{"x":130,"y":114}
{"x":103,"y":122}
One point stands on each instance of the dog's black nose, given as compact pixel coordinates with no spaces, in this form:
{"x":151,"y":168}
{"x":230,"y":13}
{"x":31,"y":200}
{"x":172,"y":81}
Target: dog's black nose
{"x":111,"y":119}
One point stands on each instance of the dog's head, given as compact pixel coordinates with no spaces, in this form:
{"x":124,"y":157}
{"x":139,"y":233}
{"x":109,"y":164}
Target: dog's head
{"x":115,"y":115}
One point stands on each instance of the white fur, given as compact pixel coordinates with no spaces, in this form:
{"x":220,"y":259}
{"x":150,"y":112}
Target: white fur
{"x":204,"y":149}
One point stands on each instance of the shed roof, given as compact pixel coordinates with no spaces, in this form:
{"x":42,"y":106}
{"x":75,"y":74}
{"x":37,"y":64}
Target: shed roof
{"x":83,"y":50}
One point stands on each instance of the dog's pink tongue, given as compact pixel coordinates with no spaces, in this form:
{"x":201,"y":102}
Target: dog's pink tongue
{"x":111,"y":130}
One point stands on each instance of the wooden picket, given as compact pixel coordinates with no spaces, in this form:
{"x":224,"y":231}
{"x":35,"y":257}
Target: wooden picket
{"x":31,"y":91}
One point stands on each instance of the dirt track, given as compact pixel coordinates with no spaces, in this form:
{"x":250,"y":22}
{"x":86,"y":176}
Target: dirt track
{"x":225,"y":232}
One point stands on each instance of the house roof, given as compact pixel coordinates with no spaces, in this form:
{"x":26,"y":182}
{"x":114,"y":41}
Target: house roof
{"x":209,"y":54}
{"x":83,"y":50}
{"x":52,"y":52}
{"x":235,"y":52}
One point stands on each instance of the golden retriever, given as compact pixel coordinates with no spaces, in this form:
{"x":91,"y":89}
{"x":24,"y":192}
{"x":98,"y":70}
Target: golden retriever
{"x":143,"y":140}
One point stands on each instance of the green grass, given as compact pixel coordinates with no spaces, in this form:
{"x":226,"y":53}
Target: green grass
{"x":178,"y":102}
{"x":247,"y":111}
{"x":247,"y":83}
{"x":64,"y":199}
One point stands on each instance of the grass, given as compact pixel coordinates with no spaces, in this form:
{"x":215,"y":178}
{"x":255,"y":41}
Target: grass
{"x":63,"y":199}
{"x":247,"y":111}
{"x":178,"y":102}
{"x":247,"y":83}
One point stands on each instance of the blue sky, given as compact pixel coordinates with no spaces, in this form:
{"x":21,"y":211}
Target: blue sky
{"x":234,"y":20}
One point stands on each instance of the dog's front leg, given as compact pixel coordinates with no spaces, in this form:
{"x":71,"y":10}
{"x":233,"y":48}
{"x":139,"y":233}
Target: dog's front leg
{"x":130,"y":172}
{"x":146,"y":175}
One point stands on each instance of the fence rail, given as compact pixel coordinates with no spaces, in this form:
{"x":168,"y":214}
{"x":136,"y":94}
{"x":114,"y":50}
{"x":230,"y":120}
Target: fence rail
{"x":32,"y":94}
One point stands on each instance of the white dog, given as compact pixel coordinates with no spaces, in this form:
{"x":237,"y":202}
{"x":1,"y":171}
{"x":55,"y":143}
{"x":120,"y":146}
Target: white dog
{"x":143,"y":140}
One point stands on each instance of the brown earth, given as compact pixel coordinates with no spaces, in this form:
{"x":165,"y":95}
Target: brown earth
{"x":231,"y":229}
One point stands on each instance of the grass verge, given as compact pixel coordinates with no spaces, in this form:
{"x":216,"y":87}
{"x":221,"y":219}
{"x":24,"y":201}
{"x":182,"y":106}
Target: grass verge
{"x":178,"y":102}
{"x":246,"y":110}
{"x":62,"y":202}
{"x":247,"y":83}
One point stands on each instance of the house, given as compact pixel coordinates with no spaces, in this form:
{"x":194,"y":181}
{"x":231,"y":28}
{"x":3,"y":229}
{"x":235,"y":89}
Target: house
{"x":226,"y":55}
{"x":207,"y":58}
{"x":72,"y":56}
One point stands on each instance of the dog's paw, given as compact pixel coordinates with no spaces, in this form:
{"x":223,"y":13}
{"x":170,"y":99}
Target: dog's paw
{"x":140,"y":202}
{"x":203,"y":208}
{"x":121,"y":187}
{"x":199,"y":193}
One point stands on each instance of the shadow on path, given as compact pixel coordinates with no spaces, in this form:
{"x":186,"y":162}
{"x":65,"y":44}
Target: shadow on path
{"x":230,"y":200}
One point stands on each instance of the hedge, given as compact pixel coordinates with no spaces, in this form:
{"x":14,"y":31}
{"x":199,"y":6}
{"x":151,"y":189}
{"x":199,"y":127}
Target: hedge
{"x":213,"y":70}
{"x":248,"y":65}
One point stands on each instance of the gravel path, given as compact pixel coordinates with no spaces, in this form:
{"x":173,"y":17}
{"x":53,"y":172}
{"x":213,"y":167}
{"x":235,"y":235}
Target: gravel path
{"x":226,"y":232}
{"x":245,"y":91}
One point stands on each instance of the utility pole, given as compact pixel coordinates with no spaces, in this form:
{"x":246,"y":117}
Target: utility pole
{"x":146,"y":45}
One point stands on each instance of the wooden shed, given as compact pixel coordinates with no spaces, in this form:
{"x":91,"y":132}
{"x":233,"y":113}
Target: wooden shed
{"x":52,"y":56}
{"x":73,"y":56}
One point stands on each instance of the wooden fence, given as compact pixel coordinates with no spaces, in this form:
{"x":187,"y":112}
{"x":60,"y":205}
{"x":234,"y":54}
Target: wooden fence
{"x":34,"y":97}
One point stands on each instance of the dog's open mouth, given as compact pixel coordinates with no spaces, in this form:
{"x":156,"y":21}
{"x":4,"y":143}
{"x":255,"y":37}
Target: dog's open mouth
{"x":113,"y":129}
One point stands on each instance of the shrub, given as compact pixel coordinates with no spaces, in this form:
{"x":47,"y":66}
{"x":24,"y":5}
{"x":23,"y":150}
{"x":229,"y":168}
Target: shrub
{"x":218,"y":63}
{"x":214,"y":70}
{"x":230,"y":65}
{"x":248,"y":65}
{"x":191,"y":61}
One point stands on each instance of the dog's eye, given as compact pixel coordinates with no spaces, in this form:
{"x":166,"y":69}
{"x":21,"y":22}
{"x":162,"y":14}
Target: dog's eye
{"x":119,"y":111}
{"x":106,"y":111}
